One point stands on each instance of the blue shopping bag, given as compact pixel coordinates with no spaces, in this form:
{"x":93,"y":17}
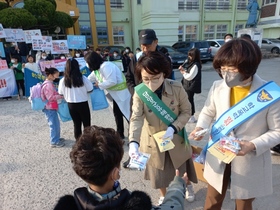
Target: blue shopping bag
{"x":98,"y":99}
{"x":63,"y":111}
{"x":38,"y":104}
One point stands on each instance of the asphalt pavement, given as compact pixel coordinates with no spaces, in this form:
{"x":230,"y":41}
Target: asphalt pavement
{"x":33,"y":175}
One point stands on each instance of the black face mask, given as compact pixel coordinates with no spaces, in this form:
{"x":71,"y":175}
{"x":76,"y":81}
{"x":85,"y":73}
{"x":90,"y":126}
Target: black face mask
{"x":56,"y":80}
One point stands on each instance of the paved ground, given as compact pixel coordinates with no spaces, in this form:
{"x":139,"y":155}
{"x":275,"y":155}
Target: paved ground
{"x":33,"y":176}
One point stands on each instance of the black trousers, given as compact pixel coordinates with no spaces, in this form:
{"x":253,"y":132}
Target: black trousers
{"x":191,"y":96}
{"x":118,"y":118}
{"x":80,"y":114}
{"x":20,"y":85}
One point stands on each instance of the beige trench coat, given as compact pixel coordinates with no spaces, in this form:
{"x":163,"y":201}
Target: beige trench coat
{"x":251,"y":175}
{"x":144,"y":123}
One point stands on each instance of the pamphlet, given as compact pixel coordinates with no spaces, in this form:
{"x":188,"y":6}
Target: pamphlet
{"x":163,"y":144}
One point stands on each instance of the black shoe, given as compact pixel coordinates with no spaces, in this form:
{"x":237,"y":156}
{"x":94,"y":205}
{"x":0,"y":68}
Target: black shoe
{"x":275,"y":150}
{"x":125,"y":164}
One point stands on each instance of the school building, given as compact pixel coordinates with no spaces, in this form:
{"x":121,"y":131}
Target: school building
{"x":117,"y":22}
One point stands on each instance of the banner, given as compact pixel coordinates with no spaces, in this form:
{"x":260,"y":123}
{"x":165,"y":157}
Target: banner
{"x":3,"y":65}
{"x":119,"y":64}
{"x":8,"y":85}
{"x":60,"y":64}
{"x":46,"y":64}
{"x":60,"y":47}
{"x":2,"y":51}
{"x":76,"y":42}
{"x":29,"y":33}
{"x":14,"y":35}
{"x":43,"y":43}
{"x":2,"y":32}
{"x":31,"y":78}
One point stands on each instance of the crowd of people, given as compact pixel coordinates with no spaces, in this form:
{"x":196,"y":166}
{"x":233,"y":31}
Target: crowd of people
{"x":98,"y":152}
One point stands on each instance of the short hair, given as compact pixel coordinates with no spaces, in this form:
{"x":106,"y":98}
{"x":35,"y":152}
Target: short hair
{"x":246,"y":36}
{"x":154,"y":63}
{"x":72,"y":74}
{"x":195,"y":54}
{"x":229,"y":34}
{"x":138,"y":201}
{"x":28,"y":56}
{"x":97,"y":49}
{"x":96,"y":153}
{"x":50,"y":70}
{"x":94,"y":60}
{"x":242,"y":53}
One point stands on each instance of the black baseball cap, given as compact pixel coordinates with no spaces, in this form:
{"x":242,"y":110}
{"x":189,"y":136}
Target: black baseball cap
{"x":147,"y":36}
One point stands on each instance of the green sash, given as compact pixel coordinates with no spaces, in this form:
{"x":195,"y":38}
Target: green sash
{"x":163,"y":112}
{"x":120,"y":86}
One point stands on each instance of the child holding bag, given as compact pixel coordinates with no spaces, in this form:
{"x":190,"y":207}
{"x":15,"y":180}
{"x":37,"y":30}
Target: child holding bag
{"x":49,"y":93}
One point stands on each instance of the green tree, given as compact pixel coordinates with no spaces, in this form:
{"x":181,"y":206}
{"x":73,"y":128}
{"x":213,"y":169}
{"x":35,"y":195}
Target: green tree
{"x":17,"y":18}
{"x":3,"y":5}
{"x":63,"y":20}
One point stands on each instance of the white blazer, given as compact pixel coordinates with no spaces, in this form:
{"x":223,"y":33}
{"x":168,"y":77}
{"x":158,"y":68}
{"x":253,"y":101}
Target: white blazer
{"x":251,"y":175}
{"x":112,"y":75}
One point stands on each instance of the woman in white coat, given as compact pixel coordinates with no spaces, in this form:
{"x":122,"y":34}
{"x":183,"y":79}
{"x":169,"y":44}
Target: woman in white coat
{"x":107,"y":76}
{"x":249,"y":174}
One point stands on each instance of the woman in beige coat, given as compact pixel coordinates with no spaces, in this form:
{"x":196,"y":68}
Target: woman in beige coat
{"x":153,"y":69}
{"x":249,"y":174}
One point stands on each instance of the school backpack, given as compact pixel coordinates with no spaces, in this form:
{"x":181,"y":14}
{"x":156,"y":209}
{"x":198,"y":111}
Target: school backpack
{"x":35,"y":99}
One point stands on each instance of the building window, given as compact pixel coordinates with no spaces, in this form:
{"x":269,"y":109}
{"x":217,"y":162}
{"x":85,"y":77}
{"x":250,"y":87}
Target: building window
{"x":191,"y":32}
{"x":209,"y":32}
{"x":221,"y":31}
{"x":188,"y":5}
{"x":138,"y":1}
{"x":116,"y":4}
{"x":237,"y":28}
{"x":269,"y":2}
{"x":217,"y":5}
{"x":118,"y":35}
{"x":102,"y":35}
{"x":180,"y":33}
{"x":241,"y":4}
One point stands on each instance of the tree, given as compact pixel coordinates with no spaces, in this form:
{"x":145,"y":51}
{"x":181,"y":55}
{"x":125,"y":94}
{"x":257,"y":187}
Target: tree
{"x":17,"y":18}
{"x":63,"y":20}
{"x":3,"y":5}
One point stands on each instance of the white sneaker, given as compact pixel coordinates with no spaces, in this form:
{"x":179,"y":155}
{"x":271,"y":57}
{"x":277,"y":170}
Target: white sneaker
{"x":192,"y":120}
{"x":190,"y":193}
{"x":160,"y":200}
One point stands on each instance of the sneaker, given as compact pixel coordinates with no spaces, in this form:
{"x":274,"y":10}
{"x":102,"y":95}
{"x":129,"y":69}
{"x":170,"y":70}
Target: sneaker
{"x":275,"y":150}
{"x":192,"y":120}
{"x":160,"y":200}
{"x":57,"y":145}
{"x":190,"y":193}
{"x":125,"y":164}
{"x":61,"y":140}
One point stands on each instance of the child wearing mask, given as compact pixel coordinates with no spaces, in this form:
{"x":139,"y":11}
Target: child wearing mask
{"x":31,"y":65}
{"x":16,"y":66}
{"x":49,"y":93}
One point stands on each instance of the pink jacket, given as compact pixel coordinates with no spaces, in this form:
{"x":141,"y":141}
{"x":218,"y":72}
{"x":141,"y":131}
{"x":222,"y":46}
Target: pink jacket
{"x":48,"y":92}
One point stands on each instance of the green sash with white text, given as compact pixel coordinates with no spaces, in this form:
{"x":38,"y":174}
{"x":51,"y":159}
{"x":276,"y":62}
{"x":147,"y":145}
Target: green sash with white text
{"x":163,"y":112}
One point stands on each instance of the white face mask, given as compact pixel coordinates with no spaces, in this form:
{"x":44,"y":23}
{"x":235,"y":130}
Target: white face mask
{"x":87,"y":65}
{"x":13,"y":61}
{"x":126,"y":50}
{"x":153,"y":85}
{"x":228,"y":39}
{"x":62,"y":57}
{"x":77,"y":55}
{"x":44,"y":57}
{"x":115,"y":55}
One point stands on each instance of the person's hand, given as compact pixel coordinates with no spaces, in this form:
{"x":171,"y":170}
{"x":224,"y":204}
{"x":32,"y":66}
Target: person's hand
{"x":184,"y":177}
{"x":169,"y":133}
{"x":181,"y":69}
{"x":96,"y":84}
{"x":246,"y":147}
{"x":23,"y":65}
{"x":194,"y":136}
{"x":133,"y":149}
{"x":12,"y":67}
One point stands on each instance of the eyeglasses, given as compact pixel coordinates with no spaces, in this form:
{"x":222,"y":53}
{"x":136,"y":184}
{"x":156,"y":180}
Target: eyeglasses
{"x":227,"y":70}
{"x":153,"y":80}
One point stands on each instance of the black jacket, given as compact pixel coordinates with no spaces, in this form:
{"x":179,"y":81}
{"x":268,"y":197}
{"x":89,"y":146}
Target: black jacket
{"x":193,"y":85}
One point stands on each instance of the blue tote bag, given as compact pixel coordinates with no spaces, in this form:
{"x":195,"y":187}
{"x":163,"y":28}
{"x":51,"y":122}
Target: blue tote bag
{"x":98,"y":99}
{"x":63,"y":111}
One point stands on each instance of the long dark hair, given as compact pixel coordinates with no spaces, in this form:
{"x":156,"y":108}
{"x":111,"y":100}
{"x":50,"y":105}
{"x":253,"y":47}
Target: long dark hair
{"x":72,"y":75}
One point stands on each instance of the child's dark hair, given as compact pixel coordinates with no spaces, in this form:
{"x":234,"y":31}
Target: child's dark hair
{"x":50,"y":70}
{"x":96,"y":153}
